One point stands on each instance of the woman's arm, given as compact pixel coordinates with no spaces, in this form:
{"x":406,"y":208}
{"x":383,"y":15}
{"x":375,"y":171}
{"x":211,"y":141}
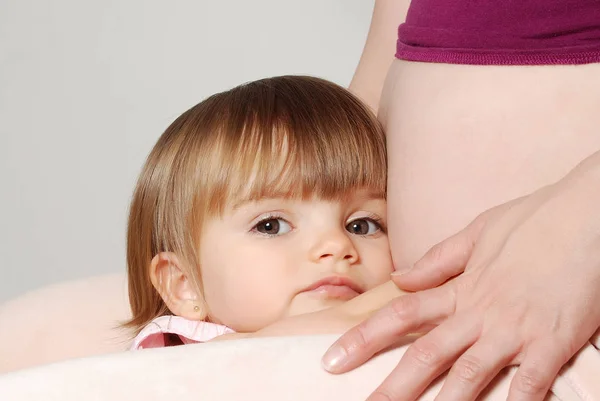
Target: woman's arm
{"x":379,"y":50}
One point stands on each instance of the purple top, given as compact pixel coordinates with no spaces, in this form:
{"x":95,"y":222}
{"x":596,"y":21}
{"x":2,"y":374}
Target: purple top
{"x":501,"y":32}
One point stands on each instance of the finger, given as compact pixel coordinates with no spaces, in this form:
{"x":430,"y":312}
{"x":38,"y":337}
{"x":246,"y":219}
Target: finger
{"x":427,"y":358}
{"x":443,"y":261}
{"x":542,"y":362}
{"x":403,"y":315}
{"x":478,"y":366}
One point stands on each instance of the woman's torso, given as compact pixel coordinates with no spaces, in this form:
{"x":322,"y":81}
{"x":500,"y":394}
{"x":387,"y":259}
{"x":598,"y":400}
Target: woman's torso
{"x":465,"y":138}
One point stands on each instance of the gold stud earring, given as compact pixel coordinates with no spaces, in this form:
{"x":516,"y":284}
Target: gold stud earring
{"x":196,"y":308}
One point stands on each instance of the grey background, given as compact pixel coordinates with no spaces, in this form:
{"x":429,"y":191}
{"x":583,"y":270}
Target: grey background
{"x":86,"y":87}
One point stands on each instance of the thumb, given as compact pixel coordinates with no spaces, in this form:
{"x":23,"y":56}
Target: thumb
{"x":443,"y":261}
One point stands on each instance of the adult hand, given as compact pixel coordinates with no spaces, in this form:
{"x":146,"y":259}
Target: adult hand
{"x":519,"y":286}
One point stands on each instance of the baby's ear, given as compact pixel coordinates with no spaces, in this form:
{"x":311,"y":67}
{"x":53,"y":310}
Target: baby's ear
{"x":176,"y":288}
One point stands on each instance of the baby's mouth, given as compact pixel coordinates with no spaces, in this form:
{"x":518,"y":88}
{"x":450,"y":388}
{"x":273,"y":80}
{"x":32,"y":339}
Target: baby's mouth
{"x":334,"y":292}
{"x":334,"y":287}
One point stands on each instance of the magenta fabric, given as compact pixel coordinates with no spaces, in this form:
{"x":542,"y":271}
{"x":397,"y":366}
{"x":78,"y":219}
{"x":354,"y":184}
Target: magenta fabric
{"x":501,"y":32}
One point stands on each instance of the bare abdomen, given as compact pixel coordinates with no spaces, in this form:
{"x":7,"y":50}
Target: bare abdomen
{"x":465,"y":138}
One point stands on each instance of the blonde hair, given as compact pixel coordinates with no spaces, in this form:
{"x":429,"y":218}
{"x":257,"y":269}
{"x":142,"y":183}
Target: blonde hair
{"x":288,"y":136}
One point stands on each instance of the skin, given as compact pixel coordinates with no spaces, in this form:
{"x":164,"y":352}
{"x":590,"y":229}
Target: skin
{"x":541,"y":321}
{"x":262,"y":261}
{"x":332,"y":320}
{"x":523,"y":276}
{"x":474,"y":143}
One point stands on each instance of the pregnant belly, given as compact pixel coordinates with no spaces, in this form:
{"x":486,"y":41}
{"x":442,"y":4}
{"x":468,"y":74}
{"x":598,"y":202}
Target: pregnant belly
{"x":463,"y":139}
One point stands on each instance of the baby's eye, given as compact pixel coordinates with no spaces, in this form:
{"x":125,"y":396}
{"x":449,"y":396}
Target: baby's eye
{"x":364,"y":226}
{"x":273,"y":226}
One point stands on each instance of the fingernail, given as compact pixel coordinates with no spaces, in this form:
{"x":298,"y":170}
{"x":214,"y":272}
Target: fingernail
{"x":334,"y":358}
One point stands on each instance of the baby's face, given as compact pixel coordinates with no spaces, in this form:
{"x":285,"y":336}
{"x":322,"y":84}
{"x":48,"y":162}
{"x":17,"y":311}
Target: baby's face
{"x":266,"y":260}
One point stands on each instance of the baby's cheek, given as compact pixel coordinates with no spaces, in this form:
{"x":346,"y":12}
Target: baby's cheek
{"x":250,"y":306}
{"x":380,"y":273}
